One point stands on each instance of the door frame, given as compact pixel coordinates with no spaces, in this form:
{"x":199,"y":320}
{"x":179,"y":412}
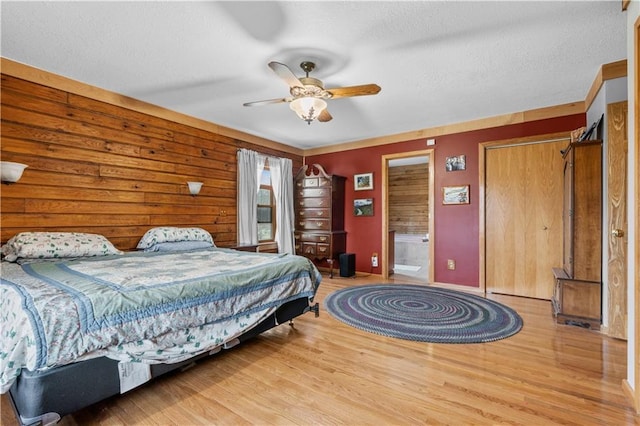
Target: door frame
{"x":482,"y":151}
{"x":385,"y":209}
{"x":634,"y":281}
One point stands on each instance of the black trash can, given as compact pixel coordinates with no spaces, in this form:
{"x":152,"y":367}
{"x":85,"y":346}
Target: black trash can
{"x":347,"y":264}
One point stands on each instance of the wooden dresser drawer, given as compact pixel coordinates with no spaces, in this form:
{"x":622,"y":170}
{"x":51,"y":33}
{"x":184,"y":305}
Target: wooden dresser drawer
{"x":313,"y":213}
{"x":315,"y":193}
{"x":320,"y":224}
{"x":313,"y":202}
{"x":323,"y":250}
{"x":308,"y":249}
{"x":313,"y":182}
{"x":322,"y":182}
{"x":314,"y":238}
{"x":317,"y":250}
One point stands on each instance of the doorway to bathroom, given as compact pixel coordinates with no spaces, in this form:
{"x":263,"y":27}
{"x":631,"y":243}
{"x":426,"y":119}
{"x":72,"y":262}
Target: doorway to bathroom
{"x":408,"y":215}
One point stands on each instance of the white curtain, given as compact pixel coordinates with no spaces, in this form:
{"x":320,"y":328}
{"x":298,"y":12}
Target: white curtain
{"x":250,"y":167}
{"x":248,"y":185}
{"x":282,"y":184}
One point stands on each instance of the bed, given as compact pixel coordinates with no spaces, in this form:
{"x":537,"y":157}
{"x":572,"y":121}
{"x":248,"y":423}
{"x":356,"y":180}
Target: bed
{"x":79,"y":328}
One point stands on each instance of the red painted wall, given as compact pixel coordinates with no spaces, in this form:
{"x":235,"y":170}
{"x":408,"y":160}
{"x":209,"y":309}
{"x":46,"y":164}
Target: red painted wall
{"x":456,"y":233}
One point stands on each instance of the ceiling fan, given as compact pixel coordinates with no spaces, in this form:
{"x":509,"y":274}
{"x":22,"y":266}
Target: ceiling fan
{"x":308,"y":94}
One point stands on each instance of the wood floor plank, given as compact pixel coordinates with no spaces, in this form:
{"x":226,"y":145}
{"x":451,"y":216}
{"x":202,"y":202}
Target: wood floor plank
{"x":321,"y":371}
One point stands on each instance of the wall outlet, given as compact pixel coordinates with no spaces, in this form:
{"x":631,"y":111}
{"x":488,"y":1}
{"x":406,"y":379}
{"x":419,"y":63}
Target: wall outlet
{"x":451,"y":264}
{"x":374,"y":260}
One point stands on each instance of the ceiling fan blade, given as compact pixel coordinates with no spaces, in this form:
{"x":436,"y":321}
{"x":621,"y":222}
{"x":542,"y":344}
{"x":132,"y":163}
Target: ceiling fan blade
{"x":285,"y":73}
{"x":324,"y":116}
{"x":268,"y":101}
{"x":363,"y":90}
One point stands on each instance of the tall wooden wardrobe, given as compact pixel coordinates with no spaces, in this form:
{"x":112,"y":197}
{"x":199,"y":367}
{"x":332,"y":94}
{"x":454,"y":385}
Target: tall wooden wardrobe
{"x":577,"y":298}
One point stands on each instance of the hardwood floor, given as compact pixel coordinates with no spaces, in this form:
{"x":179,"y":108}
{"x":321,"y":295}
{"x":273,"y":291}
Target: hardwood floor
{"x":322,"y":371}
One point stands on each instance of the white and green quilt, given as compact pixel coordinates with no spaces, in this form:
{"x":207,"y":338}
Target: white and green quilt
{"x":144,"y":307}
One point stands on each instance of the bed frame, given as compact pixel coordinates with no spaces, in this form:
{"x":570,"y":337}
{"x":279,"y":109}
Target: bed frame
{"x":42,"y":398}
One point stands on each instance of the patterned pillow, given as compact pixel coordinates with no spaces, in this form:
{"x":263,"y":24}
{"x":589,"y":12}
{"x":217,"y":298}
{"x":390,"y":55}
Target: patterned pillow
{"x":170,"y":234}
{"x":47,"y":245}
{"x":179,"y":246}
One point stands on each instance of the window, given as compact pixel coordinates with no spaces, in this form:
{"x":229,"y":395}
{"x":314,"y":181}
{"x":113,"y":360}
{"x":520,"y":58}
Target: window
{"x":266,"y":208}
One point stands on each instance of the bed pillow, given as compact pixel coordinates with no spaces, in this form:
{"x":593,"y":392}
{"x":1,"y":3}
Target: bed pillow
{"x":47,"y":245}
{"x":172,"y":234}
{"x":180,"y":245}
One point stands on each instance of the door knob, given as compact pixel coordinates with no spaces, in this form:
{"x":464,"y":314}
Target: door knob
{"x":619,"y":233}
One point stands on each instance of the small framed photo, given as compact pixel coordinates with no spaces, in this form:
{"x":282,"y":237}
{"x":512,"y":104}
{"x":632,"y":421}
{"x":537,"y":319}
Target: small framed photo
{"x":455,"y":194}
{"x":458,"y":162}
{"x":363,"y":207}
{"x":363,"y":181}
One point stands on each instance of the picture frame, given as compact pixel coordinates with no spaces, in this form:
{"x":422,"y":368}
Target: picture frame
{"x":363,"y":207}
{"x":363,"y":182}
{"x":456,"y":163}
{"x":458,"y":194}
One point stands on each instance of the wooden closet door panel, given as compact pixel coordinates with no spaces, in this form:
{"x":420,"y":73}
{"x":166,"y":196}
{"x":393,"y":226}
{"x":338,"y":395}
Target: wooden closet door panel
{"x":505,"y":212}
{"x":617,"y":208}
{"x":523,"y":210}
{"x":543,"y":234}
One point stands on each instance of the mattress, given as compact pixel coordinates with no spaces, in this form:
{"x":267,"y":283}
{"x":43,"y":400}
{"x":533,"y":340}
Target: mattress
{"x":140,"y":307}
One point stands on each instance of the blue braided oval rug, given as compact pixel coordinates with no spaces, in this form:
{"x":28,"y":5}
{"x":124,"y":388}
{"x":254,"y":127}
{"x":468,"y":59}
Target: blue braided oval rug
{"x":424,"y":314}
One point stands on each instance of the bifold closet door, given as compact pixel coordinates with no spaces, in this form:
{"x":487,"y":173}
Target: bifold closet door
{"x":523,"y":211}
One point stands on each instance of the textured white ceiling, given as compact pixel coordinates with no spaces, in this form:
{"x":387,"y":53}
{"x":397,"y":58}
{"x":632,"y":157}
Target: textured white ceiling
{"x":437,"y":62}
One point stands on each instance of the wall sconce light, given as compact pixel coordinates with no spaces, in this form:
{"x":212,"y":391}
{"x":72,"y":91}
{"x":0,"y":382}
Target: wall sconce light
{"x":194,"y":188}
{"x":11,"y":172}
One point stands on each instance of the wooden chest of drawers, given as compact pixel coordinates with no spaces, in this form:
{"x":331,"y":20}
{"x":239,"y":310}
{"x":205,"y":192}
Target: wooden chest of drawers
{"x":319,"y":214}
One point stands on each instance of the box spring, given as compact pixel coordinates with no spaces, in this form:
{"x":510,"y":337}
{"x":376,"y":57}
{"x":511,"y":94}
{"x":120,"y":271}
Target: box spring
{"x":44,"y":397}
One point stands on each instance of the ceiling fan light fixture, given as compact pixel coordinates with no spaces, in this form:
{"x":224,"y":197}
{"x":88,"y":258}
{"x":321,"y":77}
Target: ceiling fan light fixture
{"x":308,"y":95}
{"x":308,"y":108}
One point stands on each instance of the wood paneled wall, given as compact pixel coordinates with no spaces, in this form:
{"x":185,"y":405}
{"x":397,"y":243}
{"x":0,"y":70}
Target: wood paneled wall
{"x":102,"y":168}
{"x":409,"y":199}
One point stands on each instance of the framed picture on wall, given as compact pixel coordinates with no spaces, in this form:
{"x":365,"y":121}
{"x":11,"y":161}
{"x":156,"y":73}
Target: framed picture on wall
{"x":363,"y":181}
{"x":455,"y":163}
{"x":363,"y":207}
{"x":455,"y":194}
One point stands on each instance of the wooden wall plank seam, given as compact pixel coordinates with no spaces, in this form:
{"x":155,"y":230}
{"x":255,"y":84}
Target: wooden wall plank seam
{"x":104,"y":168}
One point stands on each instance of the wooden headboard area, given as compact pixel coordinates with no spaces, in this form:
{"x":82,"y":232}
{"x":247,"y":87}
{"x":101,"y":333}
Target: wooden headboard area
{"x":103,"y":163}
